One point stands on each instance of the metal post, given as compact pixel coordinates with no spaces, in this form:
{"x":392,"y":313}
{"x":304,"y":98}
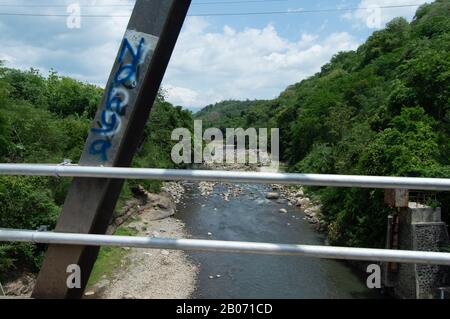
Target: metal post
{"x":398,"y":200}
{"x":114,"y":138}
{"x":386,"y":271}
{"x":1,"y":289}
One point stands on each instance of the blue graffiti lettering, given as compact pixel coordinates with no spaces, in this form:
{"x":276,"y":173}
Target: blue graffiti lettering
{"x":100,"y":147}
{"x":114,"y":102}
{"x":124,"y":79}
{"x":136,"y":57}
{"x":107,"y":126}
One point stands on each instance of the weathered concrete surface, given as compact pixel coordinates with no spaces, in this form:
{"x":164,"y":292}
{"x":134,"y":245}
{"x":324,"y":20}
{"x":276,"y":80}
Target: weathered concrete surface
{"x":421,"y":229}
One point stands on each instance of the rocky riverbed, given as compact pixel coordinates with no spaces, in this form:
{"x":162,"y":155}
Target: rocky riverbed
{"x":152,"y":273}
{"x":143,"y":273}
{"x":283,"y":194}
{"x":295,"y":196}
{"x":212,"y":211}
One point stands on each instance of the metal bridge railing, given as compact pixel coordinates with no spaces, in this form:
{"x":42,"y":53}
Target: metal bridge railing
{"x":412,"y":183}
{"x":329,"y":252}
{"x":366,"y":254}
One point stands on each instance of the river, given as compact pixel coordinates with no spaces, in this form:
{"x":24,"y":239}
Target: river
{"x":249,"y":216}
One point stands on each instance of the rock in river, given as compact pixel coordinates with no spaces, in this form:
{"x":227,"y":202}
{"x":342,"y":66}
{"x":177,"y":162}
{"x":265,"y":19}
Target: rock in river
{"x":272,"y":195}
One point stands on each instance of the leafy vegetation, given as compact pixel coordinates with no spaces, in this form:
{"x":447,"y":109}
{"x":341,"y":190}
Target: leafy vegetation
{"x":383,"y":109}
{"x":46,"y":120}
{"x":226,"y":114}
{"x":109,"y":258}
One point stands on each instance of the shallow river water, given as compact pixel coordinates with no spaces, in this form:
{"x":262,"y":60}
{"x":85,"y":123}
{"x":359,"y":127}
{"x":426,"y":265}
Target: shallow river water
{"x":249,"y":216}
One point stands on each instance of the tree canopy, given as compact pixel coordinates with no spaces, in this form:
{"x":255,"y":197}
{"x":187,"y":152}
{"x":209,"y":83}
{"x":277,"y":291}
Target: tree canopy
{"x":383,"y":109}
{"x":46,"y":120}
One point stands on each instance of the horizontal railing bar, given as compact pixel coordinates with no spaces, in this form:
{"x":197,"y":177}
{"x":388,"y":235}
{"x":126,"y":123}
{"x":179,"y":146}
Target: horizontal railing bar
{"x":413,"y":183}
{"x":328,"y":252}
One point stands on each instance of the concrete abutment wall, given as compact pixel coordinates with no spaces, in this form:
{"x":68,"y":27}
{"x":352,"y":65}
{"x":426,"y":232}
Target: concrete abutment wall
{"x":421,"y":229}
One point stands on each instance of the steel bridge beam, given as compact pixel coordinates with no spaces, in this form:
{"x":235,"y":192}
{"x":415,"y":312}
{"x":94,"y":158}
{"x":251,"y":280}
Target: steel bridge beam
{"x":114,"y":138}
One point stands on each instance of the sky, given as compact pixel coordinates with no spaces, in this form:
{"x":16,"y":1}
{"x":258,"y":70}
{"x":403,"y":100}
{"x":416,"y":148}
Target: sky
{"x":216,"y":57}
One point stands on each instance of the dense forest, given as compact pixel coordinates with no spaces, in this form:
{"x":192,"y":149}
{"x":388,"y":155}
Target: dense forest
{"x":226,"y":114}
{"x":383,"y":109}
{"x":46,"y":120}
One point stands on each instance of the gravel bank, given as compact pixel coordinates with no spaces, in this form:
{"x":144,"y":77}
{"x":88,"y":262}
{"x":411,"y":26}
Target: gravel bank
{"x":152,"y":273}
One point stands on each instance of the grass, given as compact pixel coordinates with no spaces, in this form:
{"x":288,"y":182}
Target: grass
{"x":109,"y":258}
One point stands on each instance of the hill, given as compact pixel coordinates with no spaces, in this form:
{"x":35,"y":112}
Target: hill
{"x":223,"y":114}
{"x":383,"y":109}
{"x":47,"y":120}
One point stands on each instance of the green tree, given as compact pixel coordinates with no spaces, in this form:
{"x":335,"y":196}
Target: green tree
{"x":408,"y":148}
{"x":24,"y":204}
{"x":67,"y":96}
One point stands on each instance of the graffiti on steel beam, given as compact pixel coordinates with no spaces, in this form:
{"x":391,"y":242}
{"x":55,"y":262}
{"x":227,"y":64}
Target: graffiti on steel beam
{"x":133,"y":54}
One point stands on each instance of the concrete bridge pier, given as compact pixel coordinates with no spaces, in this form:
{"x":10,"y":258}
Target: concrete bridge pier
{"x":416,"y":227}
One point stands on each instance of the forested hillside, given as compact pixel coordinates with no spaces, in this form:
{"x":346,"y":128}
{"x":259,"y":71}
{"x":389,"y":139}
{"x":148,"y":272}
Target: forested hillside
{"x":46,"y":120}
{"x":225,"y":114}
{"x":383,"y":109}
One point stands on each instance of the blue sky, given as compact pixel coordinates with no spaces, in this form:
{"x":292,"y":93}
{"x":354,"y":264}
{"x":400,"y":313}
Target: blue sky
{"x":216,"y":57}
{"x":287,"y":25}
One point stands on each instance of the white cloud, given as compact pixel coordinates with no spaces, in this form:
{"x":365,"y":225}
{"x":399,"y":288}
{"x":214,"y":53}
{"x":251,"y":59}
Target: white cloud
{"x":47,"y":43}
{"x":372,"y":16}
{"x":207,"y":66}
{"x":251,"y":63}
{"x":180,"y":95}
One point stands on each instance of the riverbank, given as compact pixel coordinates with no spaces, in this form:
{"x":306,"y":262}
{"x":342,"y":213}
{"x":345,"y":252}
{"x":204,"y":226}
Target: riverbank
{"x":126,"y":273}
{"x":242,"y":212}
{"x":292,"y":196}
{"x":295,"y":196}
{"x":263,"y":213}
{"x":151,"y":273}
